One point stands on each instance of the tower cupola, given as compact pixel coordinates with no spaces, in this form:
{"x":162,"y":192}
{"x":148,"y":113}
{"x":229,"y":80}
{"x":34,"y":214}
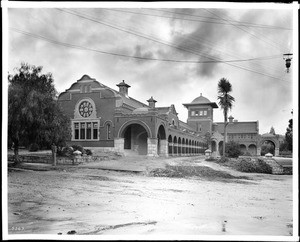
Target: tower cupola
{"x":123,"y":88}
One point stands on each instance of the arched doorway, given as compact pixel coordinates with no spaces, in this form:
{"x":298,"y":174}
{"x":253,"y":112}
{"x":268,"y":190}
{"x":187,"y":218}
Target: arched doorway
{"x":170,"y":142}
{"x":252,"y":149}
{"x":161,"y":141}
{"x":213,"y":146}
{"x":243,"y":149}
{"x":135,"y":139}
{"x":267,"y":146}
{"x":179,"y":146}
{"x":175,"y":145}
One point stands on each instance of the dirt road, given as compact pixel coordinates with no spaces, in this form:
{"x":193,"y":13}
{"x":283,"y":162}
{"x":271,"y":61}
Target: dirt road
{"x":102,"y":202}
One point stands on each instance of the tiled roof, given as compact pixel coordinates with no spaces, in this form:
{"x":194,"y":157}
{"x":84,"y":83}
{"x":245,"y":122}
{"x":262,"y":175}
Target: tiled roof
{"x":238,"y":127}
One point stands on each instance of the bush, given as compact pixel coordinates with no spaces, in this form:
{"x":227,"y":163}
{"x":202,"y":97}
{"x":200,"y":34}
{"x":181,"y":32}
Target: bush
{"x":33,"y":147}
{"x":259,"y":166}
{"x":65,"y":151}
{"x":223,"y":160}
{"x":88,"y":152}
{"x":232,"y":149}
{"x":211,"y":159}
{"x":78,"y":147}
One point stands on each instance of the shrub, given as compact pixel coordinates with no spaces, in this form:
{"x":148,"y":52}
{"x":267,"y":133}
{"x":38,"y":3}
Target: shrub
{"x":223,"y":160}
{"x":232,"y":149}
{"x":264,"y":167}
{"x":65,"y":151}
{"x":88,"y":152}
{"x":78,"y":147}
{"x":211,"y":159}
{"x":258,"y":166}
{"x":33,"y":147}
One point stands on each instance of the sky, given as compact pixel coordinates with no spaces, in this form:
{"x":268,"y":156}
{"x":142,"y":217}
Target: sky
{"x":172,"y":52}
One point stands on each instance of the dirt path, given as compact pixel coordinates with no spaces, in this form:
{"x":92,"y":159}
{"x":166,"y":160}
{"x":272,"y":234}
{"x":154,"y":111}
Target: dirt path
{"x":94,"y":202}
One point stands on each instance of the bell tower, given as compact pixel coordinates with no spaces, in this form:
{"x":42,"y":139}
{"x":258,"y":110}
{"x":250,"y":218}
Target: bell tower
{"x":200,"y":114}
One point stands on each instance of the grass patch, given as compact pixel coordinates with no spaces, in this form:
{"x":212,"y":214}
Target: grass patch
{"x":193,"y":171}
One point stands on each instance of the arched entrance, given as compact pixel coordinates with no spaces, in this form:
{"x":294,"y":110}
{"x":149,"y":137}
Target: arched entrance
{"x":162,"y":144}
{"x":252,"y":149}
{"x":170,"y":142}
{"x":135,"y":139}
{"x":243,"y":149}
{"x":267,"y":146}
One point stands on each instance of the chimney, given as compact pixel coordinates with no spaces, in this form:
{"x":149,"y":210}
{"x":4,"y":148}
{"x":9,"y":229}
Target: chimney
{"x":123,"y":88}
{"x":151,"y":102}
{"x":230,"y":119}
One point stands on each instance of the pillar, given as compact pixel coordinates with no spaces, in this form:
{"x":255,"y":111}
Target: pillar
{"x":164,"y":145}
{"x":276,"y":152}
{"x":258,"y":151}
{"x":152,"y":147}
{"x":119,"y":144}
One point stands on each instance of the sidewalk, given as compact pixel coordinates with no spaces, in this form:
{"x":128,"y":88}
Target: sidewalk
{"x":127,"y":164}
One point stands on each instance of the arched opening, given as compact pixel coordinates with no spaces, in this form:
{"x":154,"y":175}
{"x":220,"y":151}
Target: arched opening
{"x":243,"y":149}
{"x":179,"y":145}
{"x":221,"y":147}
{"x":170,"y":145}
{"x":183,"y":146}
{"x":267,"y":146}
{"x":175,"y":145}
{"x":135,"y":139}
{"x":190,"y":146}
{"x":161,"y":135}
{"x":252,"y":149}
{"x":213,"y":146}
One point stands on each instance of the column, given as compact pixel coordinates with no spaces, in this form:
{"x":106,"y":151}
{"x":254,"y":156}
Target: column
{"x":276,"y":152}
{"x":258,"y":151}
{"x":152,"y":147}
{"x":164,"y":145}
{"x":119,"y":144}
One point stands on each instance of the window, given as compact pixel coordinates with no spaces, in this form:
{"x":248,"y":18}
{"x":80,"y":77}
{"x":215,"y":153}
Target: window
{"x":193,"y":113}
{"x":108,"y":131}
{"x":201,"y":113}
{"x":89,"y":130}
{"x":85,"y":130}
{"x":95,"y":130}
{"x":196,"y":113}
{"x":205,"y":112}
{"x":82,"y":130}
{"x":76,"y":130}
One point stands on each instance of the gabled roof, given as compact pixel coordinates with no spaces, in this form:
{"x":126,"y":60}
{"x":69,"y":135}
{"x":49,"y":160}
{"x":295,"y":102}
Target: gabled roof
{"x":237,"y":127}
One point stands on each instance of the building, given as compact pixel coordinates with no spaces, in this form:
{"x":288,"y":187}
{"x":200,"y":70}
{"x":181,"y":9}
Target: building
{"x":105,"y":119}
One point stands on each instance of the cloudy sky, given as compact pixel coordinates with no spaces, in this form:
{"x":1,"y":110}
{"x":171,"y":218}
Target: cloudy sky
{"x":171,"y":53}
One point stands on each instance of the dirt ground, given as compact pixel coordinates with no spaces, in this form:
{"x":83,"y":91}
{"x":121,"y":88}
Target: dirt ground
{"x":89,"y":201}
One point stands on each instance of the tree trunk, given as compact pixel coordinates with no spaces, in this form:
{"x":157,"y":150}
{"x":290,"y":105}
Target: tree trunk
{"x":16,"y":151}
{"x":225,"y":134}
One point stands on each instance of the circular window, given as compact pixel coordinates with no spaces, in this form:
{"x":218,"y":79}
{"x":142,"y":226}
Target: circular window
{"x":85,"y":109}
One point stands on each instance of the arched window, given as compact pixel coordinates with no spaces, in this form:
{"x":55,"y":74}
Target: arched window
{"x":108,"y":132}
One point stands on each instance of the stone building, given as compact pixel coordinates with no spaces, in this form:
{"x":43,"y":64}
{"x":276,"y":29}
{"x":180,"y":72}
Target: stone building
{"x":246,"y":134}
{"x":106,"y":119}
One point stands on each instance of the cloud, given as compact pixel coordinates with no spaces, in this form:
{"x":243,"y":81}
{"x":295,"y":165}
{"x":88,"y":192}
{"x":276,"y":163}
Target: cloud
{"x":138,"y":52}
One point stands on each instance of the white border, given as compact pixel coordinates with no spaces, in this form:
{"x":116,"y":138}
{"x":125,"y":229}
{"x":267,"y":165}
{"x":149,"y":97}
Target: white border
{"x":5,"y":5}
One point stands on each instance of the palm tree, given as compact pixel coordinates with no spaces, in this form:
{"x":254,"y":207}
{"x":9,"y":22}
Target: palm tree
{"x":225,"y":102}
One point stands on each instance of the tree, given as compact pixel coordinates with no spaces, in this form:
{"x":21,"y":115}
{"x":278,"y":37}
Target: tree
{"x":233,"y":149}
{"x":34,"y":115}
{"x":289,"y":135}
{"x":225,"y":101}
{"x":272,"y":131}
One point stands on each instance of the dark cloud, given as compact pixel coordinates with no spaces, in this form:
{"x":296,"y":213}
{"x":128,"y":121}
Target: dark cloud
{"x":139,"y":52}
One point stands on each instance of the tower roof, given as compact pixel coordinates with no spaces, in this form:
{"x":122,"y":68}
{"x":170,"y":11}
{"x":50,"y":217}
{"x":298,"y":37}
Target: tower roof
{"x":201,"y":100}
{"x":123,"y":84}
